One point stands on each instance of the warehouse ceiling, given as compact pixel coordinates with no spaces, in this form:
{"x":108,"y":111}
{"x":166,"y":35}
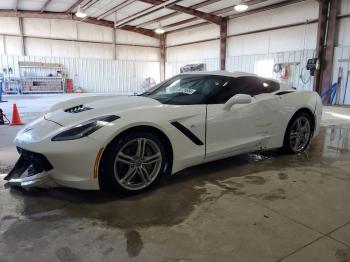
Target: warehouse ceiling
{"x":141,"y":16}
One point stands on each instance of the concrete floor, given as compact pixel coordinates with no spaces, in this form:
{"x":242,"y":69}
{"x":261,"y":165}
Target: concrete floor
{"x":265,"y":207}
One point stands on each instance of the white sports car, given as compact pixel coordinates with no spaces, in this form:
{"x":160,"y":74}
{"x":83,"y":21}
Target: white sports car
{"x":126,"y":143}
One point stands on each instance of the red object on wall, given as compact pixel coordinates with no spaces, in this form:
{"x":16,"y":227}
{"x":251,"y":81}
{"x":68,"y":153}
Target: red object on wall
{"x":69,"y":86}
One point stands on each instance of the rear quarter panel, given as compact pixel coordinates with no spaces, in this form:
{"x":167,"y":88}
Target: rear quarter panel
{"x":292,"y":102}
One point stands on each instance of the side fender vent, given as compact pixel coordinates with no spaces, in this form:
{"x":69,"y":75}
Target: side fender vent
{"x":187,"y":133}
{"x":77,"y":109}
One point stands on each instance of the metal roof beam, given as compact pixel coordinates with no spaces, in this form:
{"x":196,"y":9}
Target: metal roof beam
{"x":164,"y":17}
{"x":116,"y":8}
{"x":45,"y":5}
{"x":73,"y":6}
{"x":218,"y":12}
{"x":156,"y":7}
{"x":65,"y":16}
{"x":249,"y":12}
{"x":186,"y":10}
{"x":89,"y":4}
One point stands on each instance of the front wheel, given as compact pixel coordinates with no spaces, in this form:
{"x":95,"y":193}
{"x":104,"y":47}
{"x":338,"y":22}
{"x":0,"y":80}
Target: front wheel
{"x":135,"y":162}
{"x":298,"y":134}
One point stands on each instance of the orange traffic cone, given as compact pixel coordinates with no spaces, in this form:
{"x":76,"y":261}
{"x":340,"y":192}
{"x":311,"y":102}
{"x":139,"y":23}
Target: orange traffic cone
{"x":16,"y":119}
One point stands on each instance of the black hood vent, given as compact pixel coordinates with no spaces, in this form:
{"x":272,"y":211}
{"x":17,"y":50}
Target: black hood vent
{"x":77,"y":109}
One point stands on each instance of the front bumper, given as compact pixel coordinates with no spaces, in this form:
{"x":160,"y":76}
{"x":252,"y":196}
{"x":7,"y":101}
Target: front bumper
{"x":44,"y":163}
{"x":30,"y":170}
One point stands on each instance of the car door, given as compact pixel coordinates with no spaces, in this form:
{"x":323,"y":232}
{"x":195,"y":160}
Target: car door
{"x":244,"y":127}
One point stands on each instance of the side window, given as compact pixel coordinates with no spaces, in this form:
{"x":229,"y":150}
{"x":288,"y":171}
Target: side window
{"x":269,"y":86}
{"x":249,"y":85}
{"x":223,"y":92}
{"x":253,"y":86}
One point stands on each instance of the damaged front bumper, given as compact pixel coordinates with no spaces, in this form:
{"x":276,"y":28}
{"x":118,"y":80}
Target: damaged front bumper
{"x":31,"y":170}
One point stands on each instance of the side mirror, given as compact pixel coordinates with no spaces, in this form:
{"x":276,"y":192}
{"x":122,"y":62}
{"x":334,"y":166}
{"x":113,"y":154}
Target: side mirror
{"x":237,"y":99}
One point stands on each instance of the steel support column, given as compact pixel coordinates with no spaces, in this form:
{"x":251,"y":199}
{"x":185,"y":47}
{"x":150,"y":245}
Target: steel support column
{"x":223,"y":41}
{"x":114,"y":44}
{"x":325,"y":43}
{"x":326,"y":77}
{"x":23,"y":44}
{"x":162,"y":48}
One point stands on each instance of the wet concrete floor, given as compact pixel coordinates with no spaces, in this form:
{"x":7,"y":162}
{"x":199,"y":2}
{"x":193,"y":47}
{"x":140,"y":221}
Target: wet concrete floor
{"x":255,"y":207}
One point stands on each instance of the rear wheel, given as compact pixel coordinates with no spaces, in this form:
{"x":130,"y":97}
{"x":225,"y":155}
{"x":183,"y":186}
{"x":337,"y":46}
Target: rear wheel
{"x":133,"y":164}
{"x":298,"y":134}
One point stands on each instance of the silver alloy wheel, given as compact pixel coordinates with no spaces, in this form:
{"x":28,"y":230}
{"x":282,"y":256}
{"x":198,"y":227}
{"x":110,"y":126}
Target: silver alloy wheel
{"x":300,"y":133}
{"x":137,"y":163}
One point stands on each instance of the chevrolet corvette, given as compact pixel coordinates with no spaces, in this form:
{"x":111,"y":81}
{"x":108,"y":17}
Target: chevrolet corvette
{"x":125,"y":144}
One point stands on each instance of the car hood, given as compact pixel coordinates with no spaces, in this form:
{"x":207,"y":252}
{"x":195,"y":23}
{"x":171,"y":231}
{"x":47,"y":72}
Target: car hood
{"x":79,"y":111}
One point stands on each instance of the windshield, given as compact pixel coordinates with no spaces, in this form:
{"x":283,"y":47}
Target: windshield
{"x":186,"y":89}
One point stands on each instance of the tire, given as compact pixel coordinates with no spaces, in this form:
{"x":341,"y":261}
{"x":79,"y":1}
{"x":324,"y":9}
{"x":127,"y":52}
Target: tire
{"x":298,"y":134}
{"x":133,"y":164}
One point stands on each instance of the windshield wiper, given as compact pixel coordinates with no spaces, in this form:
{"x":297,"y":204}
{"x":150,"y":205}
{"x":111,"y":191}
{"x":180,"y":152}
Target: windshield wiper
{"x":145,"y":94}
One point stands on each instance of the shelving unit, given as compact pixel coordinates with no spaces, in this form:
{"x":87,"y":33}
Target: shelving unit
{"x":39,"y":77}
{"x":11,"y":86}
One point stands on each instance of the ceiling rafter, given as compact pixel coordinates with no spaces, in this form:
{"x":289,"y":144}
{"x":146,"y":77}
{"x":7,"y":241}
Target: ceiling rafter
{"x":116,"y":8}
{"x":154,"y":8}
{"x":164,"y":17}
{"x":45,"y":5}
{"x":227,"y":9}
{"x":65,"y":16}
{"x":217,"y":12}
{"x":180,"y":22}
{"x":266,"y":8}
{"x":134,"y":29}
{"x":188,"y":27}
{"x":89,"y":4}
{"x":182,"y":9}
{"x":16,"y":5}
{"x":73,"y":6}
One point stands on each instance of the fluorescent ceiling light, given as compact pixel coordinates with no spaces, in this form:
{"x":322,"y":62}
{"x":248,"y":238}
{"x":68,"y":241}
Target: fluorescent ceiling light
{"x":80,"y":13}
{"x":241,"y":7}
{"x":160,"y":30}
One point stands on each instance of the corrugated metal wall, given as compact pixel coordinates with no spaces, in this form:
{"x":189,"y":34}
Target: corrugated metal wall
{"x":342,"y":52}
{"x":173,"y":68}
{"x":96,"y":75}
{"x":247,"y":64}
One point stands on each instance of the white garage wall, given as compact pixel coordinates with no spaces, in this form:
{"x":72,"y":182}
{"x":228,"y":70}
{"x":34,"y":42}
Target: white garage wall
{"x":244,"y":49}
{"x":131,"y":38}
{"x":2,"y":47}
{"x":13,"y":45}
{"x":192,"y":54}
{"x":286,"y":15}
{"x":88,"y":32}
{"x":9,"y":25}
{"x":95,"y":75}
{"x":204,"y":52}
{"x":281,"y":40}
{"x":193,"y":34}
{"x":85,"y":50}
{"x":246,"y":63}
{"x":55,"y":37}
{"x":76,"y":41}
{"x":135,"y":53}
{"x":342,"y":50}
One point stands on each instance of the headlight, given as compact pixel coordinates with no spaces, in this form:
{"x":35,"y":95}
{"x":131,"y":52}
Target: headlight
{"x":85,"y":128}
